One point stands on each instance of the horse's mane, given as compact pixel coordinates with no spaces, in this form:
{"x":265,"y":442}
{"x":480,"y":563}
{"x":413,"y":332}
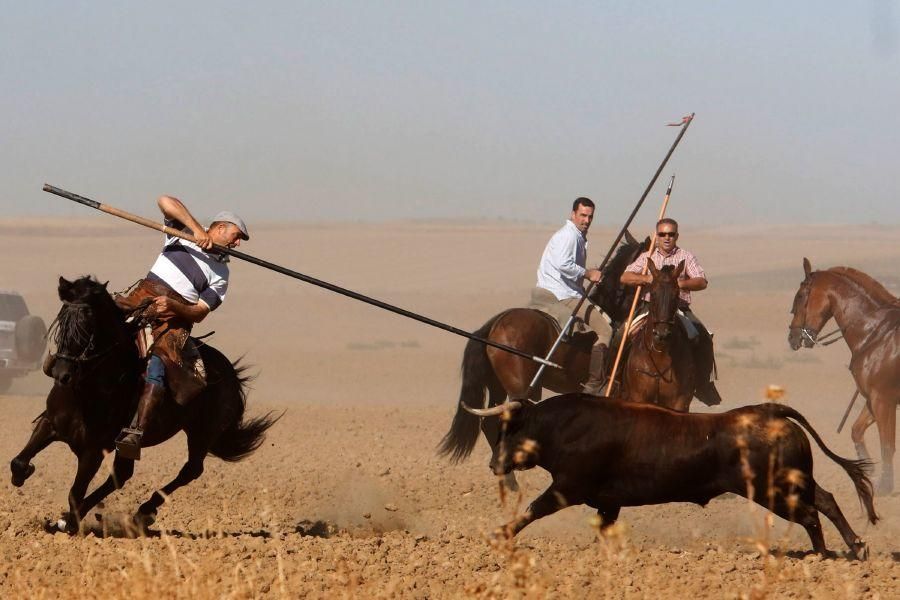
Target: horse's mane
{"x":624,"y":256}
{"x":611,"y":295}
{"x":72,"y":325}
{"x":870,"y":285}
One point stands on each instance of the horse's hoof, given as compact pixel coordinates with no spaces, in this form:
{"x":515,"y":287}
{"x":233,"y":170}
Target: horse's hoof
{"x":143,"y":521}
{"x":860,"y":550}
{"x":64,"y":524}
{"x":18,"y":479}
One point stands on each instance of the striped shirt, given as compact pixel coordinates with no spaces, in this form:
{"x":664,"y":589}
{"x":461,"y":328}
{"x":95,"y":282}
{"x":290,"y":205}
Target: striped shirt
{"x":692,"y":268}
{"x":197,"y":275}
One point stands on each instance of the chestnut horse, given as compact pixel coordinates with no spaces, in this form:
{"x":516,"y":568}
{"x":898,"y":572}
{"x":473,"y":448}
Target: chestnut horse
{"x":97,"y":377}
{"x":504,"y":375}
{"x":660,"y":365}
{"x":869,"y":319}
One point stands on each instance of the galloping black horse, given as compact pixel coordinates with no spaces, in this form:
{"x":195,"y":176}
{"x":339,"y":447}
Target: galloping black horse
{"x":97,"y":379}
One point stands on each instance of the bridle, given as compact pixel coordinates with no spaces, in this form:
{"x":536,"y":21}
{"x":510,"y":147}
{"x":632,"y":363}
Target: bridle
{"x":808,"y":333}
{"x":660,"y":374}
{"x":653,"y":322}
{"x":86,"y":355}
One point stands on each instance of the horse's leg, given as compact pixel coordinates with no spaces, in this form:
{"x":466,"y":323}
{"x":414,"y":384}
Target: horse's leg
{"x":123,"y":469}
{"x":857,"y":432}
{"x":199,"y":443}
{"x":41,"y":436}
{"x":89,"y":462}
{"x":884,"y":408}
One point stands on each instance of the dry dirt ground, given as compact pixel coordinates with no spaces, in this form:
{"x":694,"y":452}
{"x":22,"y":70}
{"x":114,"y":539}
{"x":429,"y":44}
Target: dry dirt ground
{"x":347,"y":497}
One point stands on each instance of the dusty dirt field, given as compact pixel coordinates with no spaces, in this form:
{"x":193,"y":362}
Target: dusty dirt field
{"x":347,"y":497}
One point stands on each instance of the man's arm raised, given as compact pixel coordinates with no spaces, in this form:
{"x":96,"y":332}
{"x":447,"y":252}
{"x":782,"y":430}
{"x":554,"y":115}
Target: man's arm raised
{"x":173,"y":208}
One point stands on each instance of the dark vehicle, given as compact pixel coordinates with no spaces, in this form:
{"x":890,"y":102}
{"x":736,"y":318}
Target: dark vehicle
{"x":23,"y":339}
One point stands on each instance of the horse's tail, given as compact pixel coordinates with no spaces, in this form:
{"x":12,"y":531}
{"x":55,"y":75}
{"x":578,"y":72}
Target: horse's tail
{"x":858,"y":470}
{"x":476,"y":372}
{"x":242,"y":437}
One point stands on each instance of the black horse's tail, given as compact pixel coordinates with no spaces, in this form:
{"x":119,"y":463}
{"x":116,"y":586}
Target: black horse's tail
{"x":858,"y":470}
{"x":242,"y":437}
{"x":476,"y":372}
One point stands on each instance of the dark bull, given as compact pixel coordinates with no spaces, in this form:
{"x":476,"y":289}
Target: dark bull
{"x":609,"y":454}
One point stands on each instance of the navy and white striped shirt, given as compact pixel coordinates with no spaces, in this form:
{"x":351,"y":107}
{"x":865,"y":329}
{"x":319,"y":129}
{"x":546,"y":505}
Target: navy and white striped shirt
{"x":197,"y":275}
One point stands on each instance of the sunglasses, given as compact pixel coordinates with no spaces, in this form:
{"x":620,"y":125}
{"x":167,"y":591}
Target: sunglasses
{"x":667,"y":234}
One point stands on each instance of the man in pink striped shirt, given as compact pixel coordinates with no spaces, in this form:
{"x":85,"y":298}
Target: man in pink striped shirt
{"x":693,"y":279}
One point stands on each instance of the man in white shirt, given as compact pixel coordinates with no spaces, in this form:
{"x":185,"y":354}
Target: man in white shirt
{"x":560,"y":278}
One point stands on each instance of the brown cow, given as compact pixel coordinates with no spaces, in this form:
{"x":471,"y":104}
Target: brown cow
{"x":610,"y":453}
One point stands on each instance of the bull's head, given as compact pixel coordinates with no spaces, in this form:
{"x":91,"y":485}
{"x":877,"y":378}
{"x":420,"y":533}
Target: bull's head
{"x":515,"y":450}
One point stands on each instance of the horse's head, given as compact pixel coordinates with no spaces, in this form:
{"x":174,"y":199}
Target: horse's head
{"x":663,"y":302}
{"x":87,"y":328}
{"x":610,"y":295}
{"x":811,"y":310}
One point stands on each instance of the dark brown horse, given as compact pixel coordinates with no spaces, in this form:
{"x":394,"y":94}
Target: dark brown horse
{"x":869,"y":319}
{"x":660,"y":365}
{"x":97,"y":377}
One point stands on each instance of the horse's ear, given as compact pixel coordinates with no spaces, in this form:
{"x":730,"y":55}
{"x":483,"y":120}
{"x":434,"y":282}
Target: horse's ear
{"x":646,"y":245}
{"x":652,"y":267}
{"x":64,"y":289}
{"x":105,"y":284}
{"x":630,"y":239}
{"x":807,"y":268}
{"x":678,"y":270}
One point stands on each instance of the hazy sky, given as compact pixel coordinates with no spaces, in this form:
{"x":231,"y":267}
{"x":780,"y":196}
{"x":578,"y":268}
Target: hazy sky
{"x":472,"y":110}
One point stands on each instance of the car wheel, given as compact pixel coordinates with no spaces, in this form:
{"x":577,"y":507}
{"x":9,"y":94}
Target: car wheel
{"x":31,"y":338}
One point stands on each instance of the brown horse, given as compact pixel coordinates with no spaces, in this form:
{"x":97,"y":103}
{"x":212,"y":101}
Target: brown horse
{"x":97,"y":379}
{"x":660,"y":365}
{"x":869,"y":319}
{"x":504,"y":375}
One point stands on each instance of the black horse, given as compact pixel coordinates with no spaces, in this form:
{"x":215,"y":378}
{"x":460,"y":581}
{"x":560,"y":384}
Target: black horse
{"x":97,"y":379}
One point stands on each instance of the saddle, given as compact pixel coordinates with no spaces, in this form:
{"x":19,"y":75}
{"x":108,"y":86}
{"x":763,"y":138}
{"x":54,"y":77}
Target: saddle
{"x":167,"y":338}
{"x":579,"y":333}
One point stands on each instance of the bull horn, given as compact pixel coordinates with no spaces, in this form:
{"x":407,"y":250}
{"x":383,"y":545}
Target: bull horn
{"x":493,"y":411}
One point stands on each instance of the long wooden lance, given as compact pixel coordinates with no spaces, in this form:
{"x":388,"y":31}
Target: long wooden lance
{"x":684,"y":124}
{"x":638,"y":290}
{"x":290,"y":273}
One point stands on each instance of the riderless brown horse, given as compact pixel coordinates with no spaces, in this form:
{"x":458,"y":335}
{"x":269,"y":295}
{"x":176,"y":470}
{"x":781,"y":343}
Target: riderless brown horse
{"x":660,"y":365}
{"x":869,"y":319}
{"x":97,"y":377}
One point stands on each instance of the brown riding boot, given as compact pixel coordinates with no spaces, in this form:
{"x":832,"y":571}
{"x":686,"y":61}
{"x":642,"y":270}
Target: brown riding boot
{"x":128,"y":444}
{"x":596,"y":383}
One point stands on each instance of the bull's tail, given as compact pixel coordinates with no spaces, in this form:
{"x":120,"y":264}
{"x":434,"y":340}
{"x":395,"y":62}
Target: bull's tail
{"x":858,"y":470}
{"x":476,"y":374}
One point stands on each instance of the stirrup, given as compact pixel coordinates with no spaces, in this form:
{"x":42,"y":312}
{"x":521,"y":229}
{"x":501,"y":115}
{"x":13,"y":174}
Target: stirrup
{"x":128,"y":448}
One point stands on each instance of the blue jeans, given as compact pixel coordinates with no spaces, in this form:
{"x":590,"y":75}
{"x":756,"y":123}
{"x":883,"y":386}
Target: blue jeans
{"x":156,"y":371}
